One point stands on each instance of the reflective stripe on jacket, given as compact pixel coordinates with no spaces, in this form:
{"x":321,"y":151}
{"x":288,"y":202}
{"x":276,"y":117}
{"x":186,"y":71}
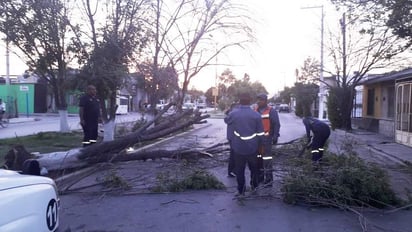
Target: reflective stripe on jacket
{"x":248,"y":137}
{"x":247,"y":130}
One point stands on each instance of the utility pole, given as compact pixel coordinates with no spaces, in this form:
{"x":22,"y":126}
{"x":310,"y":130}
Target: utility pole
{"x":321,"y":83}
{"x":343,"y":27}
{"x":216,"y":84}
{"x":8,"y":99}
{"x":7,"y":62}
{"x":321,"y":93}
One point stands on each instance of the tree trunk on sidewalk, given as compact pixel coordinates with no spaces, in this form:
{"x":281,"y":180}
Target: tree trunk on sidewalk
{"x":64,"y":124}
{"x":109,"y":130}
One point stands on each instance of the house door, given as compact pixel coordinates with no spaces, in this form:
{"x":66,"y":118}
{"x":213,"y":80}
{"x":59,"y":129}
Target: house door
{"x":403,"y":124}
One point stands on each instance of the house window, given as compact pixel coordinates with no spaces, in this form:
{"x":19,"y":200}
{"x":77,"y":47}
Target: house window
{"x":371,"y":102}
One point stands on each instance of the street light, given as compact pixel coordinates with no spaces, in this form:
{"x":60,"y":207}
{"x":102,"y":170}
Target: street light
{"x":321,"y":81}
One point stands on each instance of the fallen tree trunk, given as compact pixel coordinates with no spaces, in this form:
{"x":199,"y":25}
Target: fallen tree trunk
{"x":158,"y":154}
{"x":69,"y":159}
{"x":95,"y":153}
{"x":104,"y":151}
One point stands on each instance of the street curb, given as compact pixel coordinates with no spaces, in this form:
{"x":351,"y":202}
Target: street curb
{"x":387,"y":155}
{"x":23,"y":120}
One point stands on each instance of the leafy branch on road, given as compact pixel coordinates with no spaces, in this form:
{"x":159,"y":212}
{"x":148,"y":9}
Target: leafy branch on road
{"x":342,"y":181}
{"x":195,"y":180}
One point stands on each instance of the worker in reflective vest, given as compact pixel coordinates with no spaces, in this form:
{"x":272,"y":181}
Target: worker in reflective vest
{"x":321,"y":132}
{"x":247,"y":129}
{"x":271,"y":126}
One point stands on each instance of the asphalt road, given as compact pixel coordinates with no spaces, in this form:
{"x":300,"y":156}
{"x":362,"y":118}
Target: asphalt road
{"x":214,"y":210}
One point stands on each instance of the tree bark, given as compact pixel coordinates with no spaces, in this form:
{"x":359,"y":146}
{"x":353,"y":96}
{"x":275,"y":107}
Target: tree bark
{"x":64,"y":125}
{"x":100,"y":152}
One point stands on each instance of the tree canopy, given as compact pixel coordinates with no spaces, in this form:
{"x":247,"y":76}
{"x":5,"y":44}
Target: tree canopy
{"x":365,"y":44}
{"x":394,"y":14}
{"x":190,"y":35}
{"x":112,"y":46}
{"x":43,"y":33}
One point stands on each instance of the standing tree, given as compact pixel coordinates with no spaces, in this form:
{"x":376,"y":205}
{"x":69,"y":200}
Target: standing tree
{"x":357,"y":54}
{"x":310,"y":71}
{"x":113,"y":46}
{"x":244,"y":85}
{"x":285,"y":95}
{"x":305,"y":95}
{"x":395,"y":14}
{"x":159,"y":84}
{"x":225,"y":79}
{"x":305,"y":90}
{"x":186,"y":34}
{"x":41,"y":30}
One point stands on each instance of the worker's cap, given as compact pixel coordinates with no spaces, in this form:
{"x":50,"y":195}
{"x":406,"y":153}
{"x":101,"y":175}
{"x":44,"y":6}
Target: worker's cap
{"x":262,"y":96}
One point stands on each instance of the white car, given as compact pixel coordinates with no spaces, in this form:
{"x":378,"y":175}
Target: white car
{"x":28,"y":202}
{"x":188,"y":106}
{"x":284,"y":108}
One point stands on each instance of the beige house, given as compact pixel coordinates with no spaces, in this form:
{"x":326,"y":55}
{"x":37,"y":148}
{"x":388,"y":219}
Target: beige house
{"x":387,"y":105}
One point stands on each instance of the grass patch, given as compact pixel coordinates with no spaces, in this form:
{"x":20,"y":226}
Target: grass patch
{"x":196,"y":180}
{"x":43,"y":142}
{"x":339,"y":181}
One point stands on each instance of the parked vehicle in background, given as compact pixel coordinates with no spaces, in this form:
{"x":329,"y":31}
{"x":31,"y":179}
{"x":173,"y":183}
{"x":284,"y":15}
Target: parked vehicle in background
{"x":284,"y":108}
{"x":160,"y":105}
{"x":201,"y":105}
{"x":188,"y":105}
{"x":28,"y":202}
{"x":122,"y":105}
{"x":276,"y":106}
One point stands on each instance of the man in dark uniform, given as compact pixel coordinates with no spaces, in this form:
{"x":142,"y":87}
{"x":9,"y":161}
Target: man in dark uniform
{"x":321,"y":132}
{"x":248,"y":130}
{"x":271,"y":126}
{"x":89,"y":112}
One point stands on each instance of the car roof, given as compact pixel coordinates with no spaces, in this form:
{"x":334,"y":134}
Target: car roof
{"x":12,"y":179}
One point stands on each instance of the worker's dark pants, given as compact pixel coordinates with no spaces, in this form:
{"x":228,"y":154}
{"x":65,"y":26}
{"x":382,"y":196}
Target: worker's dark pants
{"x":90,"y":133}
{"x":265,"y":162}
{"x":240,"y":166}
{"x":318,"y":143}
{"x":231,"y":166}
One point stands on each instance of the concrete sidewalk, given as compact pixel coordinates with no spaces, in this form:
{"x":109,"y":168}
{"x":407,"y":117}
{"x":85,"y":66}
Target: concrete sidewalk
{"x":23,"y":119}
{"x":366,"y":141}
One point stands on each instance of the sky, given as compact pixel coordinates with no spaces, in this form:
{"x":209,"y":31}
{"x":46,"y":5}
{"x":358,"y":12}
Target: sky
{"x":286,"y":34}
